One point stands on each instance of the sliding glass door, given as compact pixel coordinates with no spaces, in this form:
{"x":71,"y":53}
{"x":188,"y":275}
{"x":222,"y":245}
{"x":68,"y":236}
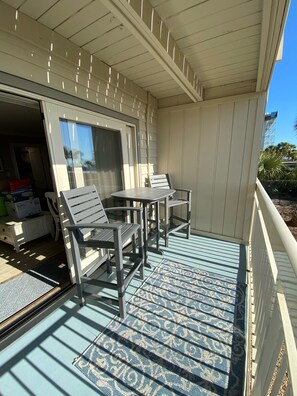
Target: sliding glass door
{"x":88,"y":148}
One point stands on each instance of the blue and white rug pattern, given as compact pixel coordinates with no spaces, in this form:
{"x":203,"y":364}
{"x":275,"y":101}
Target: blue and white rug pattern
{"x":183,"y":335}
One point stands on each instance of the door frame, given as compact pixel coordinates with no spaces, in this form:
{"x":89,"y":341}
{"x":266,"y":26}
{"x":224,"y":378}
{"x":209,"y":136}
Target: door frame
{"x":53,"y":113}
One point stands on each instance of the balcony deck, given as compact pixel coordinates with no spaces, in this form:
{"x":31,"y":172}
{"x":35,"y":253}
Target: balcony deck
{"x":40,"y":362}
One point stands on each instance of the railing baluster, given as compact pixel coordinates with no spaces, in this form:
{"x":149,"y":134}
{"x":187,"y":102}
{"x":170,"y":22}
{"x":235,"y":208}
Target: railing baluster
{"x":273,"y":256}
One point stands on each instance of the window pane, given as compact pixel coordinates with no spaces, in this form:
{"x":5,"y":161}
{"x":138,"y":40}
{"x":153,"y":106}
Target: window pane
{"x":94,"y":156}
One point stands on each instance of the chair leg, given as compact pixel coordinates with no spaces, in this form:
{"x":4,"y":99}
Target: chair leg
{"x":122,"y":306}
{"x":120,"y":273}
{"x":122,"y":299}
{"x":189,"y":205}
{"x":57,"y":231}
{"x":171,"y":217}
{"x":108,"y":265}
{"x":141,"y":271}
{"x":188,"y":231}
{"x":77,"y":269}
{"x":167,"y":219}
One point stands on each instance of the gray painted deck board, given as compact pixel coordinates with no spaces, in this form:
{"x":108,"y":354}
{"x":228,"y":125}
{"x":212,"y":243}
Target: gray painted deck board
{"x":40,"y":362}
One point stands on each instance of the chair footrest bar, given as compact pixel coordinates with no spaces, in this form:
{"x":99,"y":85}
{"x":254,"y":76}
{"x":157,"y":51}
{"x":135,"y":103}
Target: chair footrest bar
{"x":131,"y":273}
{"x":185,"y":221}
{"x":177,"y":228}
{"x":98,"y":282}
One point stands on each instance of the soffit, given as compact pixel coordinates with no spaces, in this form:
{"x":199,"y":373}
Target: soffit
{"x":224,"y":42}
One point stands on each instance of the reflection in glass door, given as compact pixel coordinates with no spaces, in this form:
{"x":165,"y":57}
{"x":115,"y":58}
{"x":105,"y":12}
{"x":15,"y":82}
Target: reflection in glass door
{"x":94,"y":156}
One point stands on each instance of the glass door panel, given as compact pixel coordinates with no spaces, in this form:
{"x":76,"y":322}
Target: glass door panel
{"x":93,"y":156}
{"x":89,"y":148}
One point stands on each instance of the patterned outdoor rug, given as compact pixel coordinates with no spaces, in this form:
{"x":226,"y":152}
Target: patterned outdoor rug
{"x":183,"y":335}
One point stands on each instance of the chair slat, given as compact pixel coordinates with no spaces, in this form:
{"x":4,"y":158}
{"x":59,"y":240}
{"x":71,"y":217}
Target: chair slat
{"x":84,"y":205}
{"x":159,"y":181}
{"x":87,"y":191}
{"x":91,"y":215}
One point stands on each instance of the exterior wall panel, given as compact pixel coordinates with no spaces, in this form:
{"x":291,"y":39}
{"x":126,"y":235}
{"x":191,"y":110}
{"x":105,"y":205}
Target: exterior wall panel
{"x":212,"y":148}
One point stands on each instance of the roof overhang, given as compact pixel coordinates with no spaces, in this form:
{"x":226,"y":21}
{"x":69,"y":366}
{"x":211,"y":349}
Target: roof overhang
{"x":191,"y":49}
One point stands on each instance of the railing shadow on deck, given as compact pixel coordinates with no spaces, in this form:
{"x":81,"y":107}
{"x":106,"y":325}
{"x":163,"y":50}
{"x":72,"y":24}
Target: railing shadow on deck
{"x":44,"y":359}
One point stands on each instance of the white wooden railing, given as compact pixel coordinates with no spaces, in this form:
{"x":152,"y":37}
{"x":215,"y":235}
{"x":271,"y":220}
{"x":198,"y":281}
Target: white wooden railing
{"x":273,"y":265}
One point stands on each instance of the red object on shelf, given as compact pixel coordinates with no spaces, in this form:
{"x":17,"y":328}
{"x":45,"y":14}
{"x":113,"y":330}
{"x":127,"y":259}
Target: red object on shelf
{"x":15,"y":185}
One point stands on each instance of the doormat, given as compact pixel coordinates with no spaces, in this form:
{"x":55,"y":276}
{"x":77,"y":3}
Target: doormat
{"x":183,"y":335}
{"x":21,"y":291}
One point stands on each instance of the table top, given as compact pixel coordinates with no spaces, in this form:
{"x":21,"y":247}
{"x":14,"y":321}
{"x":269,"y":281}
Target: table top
{"x":143,"y":194}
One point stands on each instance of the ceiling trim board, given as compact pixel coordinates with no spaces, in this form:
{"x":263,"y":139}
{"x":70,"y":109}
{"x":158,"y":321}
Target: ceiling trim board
{"x":125,"y":13}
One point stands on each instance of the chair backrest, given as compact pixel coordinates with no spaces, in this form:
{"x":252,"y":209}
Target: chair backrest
{"x":159,"y":181}
{"x":83,"y":205}
{"x":52,"y":203}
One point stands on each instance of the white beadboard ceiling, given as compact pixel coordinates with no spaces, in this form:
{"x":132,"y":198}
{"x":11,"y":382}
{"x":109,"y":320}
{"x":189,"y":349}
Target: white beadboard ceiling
{"x":201,"y":48}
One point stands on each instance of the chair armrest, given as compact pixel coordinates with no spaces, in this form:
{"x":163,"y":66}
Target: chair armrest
{"x":186,"y":191}
{"x":183,"y":190}
{"x":108,"y":226}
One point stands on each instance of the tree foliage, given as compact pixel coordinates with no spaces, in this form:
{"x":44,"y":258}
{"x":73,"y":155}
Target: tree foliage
{"x":270,"y":166}
{"x":286,"y":151}
{"x":274,"y":172}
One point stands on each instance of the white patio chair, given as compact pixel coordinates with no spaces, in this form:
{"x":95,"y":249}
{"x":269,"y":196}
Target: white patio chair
{"x":52,"y":204}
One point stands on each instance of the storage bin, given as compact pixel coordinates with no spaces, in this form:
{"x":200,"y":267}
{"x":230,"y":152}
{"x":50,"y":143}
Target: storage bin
{"x":15,"y":185}
{"x":23,"y":209}
{"x":19,"y":195}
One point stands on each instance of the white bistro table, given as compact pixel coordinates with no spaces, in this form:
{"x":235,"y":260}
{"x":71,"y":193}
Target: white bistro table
{"x":147,"y":196}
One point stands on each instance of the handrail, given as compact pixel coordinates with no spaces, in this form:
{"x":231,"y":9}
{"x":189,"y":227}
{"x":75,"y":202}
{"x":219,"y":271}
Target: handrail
{"x":284,"y":233}
{"x":272,"y":255}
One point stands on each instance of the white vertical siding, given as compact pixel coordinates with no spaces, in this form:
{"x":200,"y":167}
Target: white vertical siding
{"x":30,"y":50}
{"x":210,"y":148}
{"x":191,"y":136}
{"x":225,"y":115}
{"x":206,"y":167}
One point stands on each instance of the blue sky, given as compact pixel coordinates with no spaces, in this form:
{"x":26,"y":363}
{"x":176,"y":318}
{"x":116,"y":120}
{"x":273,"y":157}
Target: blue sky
{"x":282,"y":96}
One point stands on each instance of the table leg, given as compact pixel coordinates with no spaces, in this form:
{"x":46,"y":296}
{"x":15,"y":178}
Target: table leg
{"x":166,"y":222}
{"x":145,"y":234}
{"x":158,"y":225}
{"x":132,"y":220}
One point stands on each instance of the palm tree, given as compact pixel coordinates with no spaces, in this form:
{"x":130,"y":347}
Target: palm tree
{"x":286,"y":150}
{"x":271,"y":166}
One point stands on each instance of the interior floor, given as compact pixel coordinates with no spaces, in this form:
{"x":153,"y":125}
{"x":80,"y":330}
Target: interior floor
{"x":39,"y":271}
{"x":30,"y":255}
